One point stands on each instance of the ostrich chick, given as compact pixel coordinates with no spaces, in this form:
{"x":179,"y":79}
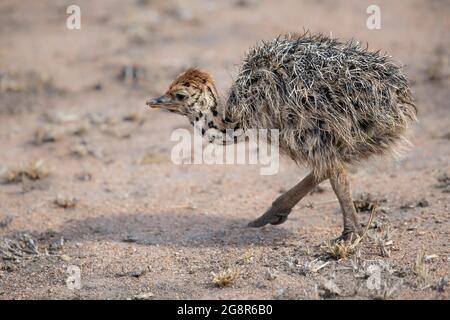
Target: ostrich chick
{"x":335,"y":104}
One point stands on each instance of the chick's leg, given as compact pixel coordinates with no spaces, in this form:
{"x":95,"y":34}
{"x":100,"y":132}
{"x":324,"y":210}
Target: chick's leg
{"x":341,"y":186}
{"x":283,"y":205}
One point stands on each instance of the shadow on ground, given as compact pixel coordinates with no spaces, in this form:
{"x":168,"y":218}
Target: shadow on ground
{"x":180,"y":229}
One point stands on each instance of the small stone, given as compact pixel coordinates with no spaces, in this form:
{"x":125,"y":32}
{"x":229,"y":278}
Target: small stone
{"x":144,"y":296}
{"x":430,"y":257}
{"x":65,"y":257}
{"x":65,"y":201}
{"x":423,"y":203}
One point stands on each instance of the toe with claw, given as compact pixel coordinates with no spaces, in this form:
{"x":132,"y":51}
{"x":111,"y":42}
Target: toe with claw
{"x":273,"y":216}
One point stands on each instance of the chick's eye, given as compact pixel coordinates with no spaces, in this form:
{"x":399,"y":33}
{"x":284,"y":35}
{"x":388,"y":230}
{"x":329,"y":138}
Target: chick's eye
{"x":180,"y":96}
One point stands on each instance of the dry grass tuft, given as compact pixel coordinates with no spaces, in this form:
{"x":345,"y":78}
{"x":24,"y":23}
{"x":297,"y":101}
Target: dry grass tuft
{"x":34,"y":170}
{"x":226,"y":278}
{"x":384,"y":241}
{"x":419,"y":266}
{"x":247,"y":257}
{"x":18,"y":249}
{"x":47,"y":134}
{"x":342,"y":249}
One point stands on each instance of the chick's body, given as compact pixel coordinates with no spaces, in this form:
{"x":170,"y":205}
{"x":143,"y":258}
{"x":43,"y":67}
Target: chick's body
{"x":334,"y":103}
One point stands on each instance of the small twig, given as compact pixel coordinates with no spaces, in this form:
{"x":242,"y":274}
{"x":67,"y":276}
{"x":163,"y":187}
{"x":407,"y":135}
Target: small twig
{"x":321,"y":266}
{"x":369,"y":222}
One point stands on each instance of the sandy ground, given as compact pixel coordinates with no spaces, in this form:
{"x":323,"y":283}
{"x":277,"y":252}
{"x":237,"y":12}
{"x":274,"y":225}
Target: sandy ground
{"x":142,"y":227}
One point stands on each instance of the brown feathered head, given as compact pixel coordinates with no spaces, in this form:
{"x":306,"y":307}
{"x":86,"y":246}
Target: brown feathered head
{"x":191,"y":92}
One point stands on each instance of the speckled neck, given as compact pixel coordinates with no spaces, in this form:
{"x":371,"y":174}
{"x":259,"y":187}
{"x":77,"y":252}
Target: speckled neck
{"x":216,"y":127}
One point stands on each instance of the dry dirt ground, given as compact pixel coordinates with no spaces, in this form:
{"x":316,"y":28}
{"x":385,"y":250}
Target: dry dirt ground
{"x":102,"y":194}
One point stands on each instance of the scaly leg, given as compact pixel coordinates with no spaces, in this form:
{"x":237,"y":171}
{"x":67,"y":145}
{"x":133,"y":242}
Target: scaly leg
{"x":341,"y":186}
{"x":283,"y":205}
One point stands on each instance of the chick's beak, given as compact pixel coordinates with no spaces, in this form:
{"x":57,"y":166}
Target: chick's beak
{"x":163,"y":102}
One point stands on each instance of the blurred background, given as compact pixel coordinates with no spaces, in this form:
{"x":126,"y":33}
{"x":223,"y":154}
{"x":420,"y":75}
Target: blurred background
{"x":86,"y":167}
